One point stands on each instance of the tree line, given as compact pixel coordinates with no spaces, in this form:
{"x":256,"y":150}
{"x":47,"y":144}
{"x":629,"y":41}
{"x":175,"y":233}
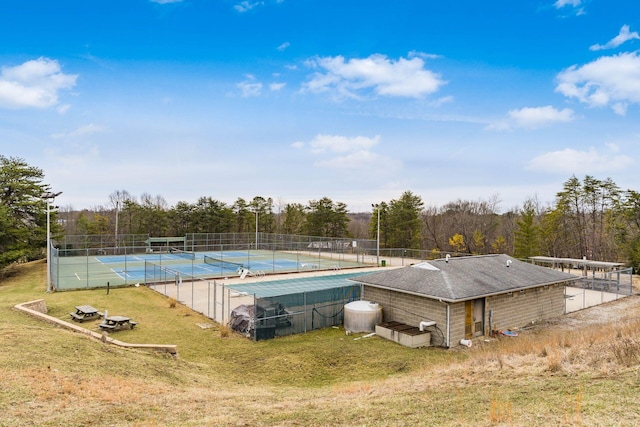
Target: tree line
{"x":590,"y":218}
{"x":153,"y":216}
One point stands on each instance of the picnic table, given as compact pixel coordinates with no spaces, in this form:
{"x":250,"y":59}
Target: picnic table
{"x":84,"y":313}
{"x":117,"y":323}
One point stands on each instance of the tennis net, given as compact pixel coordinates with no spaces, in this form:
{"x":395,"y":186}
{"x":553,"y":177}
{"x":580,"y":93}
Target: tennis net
{"x":225,"y":265}
{"x":182,"y":254}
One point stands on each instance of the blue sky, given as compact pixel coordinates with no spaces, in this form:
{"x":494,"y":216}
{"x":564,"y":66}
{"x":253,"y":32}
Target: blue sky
{"x":297,"y":100}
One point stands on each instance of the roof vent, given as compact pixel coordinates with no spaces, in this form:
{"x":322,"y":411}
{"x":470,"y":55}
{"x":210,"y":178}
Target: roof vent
{"x":508,"y":263}
{"x":446,"y":259}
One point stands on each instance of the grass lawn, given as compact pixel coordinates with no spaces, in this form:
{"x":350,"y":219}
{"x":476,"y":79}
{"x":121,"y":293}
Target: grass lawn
{"x":559,"y":375}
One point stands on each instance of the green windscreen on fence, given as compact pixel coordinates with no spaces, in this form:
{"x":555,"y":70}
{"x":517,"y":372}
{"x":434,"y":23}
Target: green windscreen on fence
{"x":291,"y":306}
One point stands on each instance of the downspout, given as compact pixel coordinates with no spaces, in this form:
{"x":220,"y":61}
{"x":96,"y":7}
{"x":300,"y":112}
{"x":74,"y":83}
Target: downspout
{"x":448,"y":326}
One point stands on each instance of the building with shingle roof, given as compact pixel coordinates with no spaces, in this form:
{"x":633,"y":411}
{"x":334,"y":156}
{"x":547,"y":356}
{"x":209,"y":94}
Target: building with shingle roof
{"x":466,"y":297}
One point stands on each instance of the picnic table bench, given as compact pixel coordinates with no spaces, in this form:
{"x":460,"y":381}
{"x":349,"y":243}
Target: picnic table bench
{"x":117,"y":323}
{"x":84,"y":313}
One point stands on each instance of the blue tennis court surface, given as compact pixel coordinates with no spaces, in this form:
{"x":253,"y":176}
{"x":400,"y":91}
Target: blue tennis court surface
{"x":277,"y":264}
{"x":230,"y":256}
{"x":132,"y":267}
{"x":185,"y":270}
{"x":119,"y":259}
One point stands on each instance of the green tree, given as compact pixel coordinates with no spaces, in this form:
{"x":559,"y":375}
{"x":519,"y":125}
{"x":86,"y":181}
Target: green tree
{"x":92,"y":223}
{"x":326,"y":218}
{"x":266,"y":217}
{"x":129,"y":217}
{"x":23,"y":211}
{"x":628,"y":233}
{"x":570,"y":203}
{"x":589,"y":208}
{"x":552,"y":237}
{"x":181,"y":219}
{"x":527,"y":234}
{"x":294,"y":219}
{"x":155,"y":217}
{"x":212,"y":216}
{"x":404,"y":223}
{"x":244,"y":218}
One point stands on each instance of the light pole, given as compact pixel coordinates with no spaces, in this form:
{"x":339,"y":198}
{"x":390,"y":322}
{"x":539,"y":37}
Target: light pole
{"x":49,"y":196}
{"x":256,"y":229}
{"x":377,"y":207}
{"x":116,"y":234}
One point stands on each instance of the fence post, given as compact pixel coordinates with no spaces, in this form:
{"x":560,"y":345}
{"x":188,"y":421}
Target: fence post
{"x":87,"y":264}
{"x":215,"y":301}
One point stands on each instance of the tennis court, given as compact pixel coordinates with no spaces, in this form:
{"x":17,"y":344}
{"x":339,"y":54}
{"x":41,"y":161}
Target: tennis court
{"x":90,"y":271}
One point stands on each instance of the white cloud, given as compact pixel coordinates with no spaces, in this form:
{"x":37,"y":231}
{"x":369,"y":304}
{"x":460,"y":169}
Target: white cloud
{"x":341,"y":144}
{"x":441,"y":101}
{"x":562,"y":3}
{"x":250,"y":87}
{"x":87,"y":130}
{"x":81,"y":131}
{"x":620,"y":108}
{"x":274,"y":87}
{"x":359,"y":159}
{"x":166,"y":1}
{"x":62,"y":109}
{"x":559,"y":4}
{"x":499,"y":125}
{"x":246,"y":6}
{"x":532,"y":118}
{"x":609,"y":80}
{"x":535,"y":117}
{"x":345,"y":153}
{"x":423,"y":55}
{"x":35,"y":84}
{"x":622,"y":37}
{"x":283,"y":46}
{"x":571,"y":161}
{"x":349,"y":78}
{"x":615,"y":148}
{"x":77,"y":160}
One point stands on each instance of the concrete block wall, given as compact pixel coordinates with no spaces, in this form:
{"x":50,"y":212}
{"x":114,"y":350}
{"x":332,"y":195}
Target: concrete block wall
{"x":456,"y":323}
{"x":405,"y":308}
{"x":521,"y":309}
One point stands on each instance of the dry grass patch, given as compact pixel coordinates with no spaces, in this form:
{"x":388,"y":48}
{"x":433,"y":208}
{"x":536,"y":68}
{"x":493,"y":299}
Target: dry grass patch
{"x":500,"y":411}
{"x":225,"y":331}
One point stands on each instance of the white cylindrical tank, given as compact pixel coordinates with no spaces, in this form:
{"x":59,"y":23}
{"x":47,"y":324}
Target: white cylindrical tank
{"x":362,"y":316}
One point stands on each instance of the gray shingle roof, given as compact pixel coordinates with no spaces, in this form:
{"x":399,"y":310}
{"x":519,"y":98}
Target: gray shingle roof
{"x":464,"y":278}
